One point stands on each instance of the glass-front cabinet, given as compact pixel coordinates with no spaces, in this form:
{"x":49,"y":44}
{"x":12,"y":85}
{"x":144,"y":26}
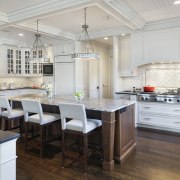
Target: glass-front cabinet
{"x":18,"y":62}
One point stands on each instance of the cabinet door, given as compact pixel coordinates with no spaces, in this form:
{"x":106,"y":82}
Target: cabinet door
{"x":125,"y":57}
{"x":10,"y":61}
{"x":137,"y":49}
{"x":161,"y":46}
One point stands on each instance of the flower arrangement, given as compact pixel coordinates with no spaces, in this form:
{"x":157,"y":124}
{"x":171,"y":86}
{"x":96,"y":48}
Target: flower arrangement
{"x":79,"y":96}
{"x":49,"y":88}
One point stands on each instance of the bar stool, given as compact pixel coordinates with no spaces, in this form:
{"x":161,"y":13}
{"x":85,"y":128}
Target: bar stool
{"x":79,"y":125}
{"x":9,"y":115}
{"x":38,"y":119}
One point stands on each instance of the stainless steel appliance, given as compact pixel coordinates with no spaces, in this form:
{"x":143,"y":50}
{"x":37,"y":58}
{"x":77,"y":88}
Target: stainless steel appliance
{"x":48,"y":69}
{"x":156,"y":97}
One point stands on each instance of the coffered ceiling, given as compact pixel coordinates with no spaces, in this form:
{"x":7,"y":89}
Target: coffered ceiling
{"x":62,"y":19}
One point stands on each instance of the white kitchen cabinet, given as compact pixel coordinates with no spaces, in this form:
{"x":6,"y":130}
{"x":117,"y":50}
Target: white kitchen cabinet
{"x":162,"y":46}
{"x":125,"y":63}
{"x":159,"y":116}
{"x":137,"y":50}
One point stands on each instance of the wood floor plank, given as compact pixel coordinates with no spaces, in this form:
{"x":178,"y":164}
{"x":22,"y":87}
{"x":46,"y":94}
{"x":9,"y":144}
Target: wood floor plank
{"x":157,"y":157}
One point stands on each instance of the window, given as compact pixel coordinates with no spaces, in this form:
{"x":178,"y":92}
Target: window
{"x":35,"y":68}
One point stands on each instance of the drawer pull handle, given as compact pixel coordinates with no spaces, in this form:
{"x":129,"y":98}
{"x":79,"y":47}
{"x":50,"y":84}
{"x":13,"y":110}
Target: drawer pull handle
{"x":147,"y":119}
{"x":147,"y":107}
{"x":177,"y":110}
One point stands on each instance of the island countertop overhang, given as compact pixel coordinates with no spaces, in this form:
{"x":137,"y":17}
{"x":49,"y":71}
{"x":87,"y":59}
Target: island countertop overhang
{"x":106,"y":105}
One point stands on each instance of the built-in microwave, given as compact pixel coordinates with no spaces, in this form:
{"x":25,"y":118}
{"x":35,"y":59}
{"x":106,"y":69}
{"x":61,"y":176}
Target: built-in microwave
{"x":48,"y":69}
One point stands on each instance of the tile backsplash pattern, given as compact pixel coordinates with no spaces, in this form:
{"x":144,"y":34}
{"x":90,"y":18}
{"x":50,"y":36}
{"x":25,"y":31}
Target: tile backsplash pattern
{"x":163,"y":78}
{"x":21,"y":81}
{"x":129,"y":82}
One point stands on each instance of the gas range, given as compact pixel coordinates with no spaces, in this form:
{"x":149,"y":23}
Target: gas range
{"x":159,"y":97}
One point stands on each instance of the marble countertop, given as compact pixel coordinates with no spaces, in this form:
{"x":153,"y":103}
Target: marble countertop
{"x":7,"y":136}
{"x":107,"y":105}
{"x":20,"y":88}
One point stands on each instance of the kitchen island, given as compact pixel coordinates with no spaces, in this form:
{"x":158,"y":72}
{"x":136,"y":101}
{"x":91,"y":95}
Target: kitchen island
{"x":117,"y":116}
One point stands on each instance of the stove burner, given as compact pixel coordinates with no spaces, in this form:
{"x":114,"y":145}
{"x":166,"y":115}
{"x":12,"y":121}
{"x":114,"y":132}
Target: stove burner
{"x":155,"y":97}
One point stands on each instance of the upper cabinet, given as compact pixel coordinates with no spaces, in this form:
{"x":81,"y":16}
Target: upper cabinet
{"x":137,"y":41}
{"x":156,"y":46}
{"x":125,"y":63}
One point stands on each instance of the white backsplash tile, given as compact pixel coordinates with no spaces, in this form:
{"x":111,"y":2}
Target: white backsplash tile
{"x":162,"y":76}
{"x":21,"y":81}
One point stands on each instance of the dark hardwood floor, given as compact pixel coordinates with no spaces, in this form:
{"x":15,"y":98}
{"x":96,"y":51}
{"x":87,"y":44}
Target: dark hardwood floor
{"x":157,"y":157}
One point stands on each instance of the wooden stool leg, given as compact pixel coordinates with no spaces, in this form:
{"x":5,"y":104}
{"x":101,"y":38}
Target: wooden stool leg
{"x":6,"y":126}
{"x":63,"y":147}
{"x":26,"y":136}
{"x":21,"y":126}
{"x":41,"y":141}
{"x":85,"y":152}
{"x":0,"y":122}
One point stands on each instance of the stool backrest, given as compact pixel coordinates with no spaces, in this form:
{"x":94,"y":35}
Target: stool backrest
{"x":4,"y":103}
{"x":73,"y":111}
{"x":32,"y":106}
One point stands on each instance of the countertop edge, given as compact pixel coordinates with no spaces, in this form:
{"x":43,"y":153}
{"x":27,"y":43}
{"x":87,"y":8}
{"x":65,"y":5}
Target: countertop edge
{"x":130,"y":93}
{"x":21,"y":88}
{"x":6,"y":136}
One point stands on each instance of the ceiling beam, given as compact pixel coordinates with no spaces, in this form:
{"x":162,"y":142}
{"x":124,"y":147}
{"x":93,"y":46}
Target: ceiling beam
{"x":120,"y":10}
{"x":44,"y":29}
{"x":47,"y":8}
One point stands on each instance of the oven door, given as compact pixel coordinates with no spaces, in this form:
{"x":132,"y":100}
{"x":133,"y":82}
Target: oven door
{"x":47,"y":69}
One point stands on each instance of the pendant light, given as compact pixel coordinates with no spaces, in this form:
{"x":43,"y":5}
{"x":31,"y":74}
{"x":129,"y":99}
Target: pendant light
{"x":38,"y":51}
{"x":87,"y":51}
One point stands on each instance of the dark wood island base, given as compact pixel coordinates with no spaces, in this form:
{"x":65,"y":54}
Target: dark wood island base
{"x":118,"y":124}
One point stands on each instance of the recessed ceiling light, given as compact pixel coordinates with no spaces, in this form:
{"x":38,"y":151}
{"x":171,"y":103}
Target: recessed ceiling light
{"x":123,"y":34}
{"x":21,"y":34}
{"x":19,"y":46}
{"x":106,"y":38}
{"x":106,"y":18}
{"x":1,"y":43}
{"x":45,"y":45}
{"x":176,"y":2}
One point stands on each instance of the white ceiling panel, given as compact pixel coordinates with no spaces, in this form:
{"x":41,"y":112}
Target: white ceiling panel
{"x":155,"y":10}
{"x":7,"y":6}
{"x":71,"y":22}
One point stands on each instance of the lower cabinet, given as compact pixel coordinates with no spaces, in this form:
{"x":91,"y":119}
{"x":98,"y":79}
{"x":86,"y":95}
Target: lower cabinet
{"x":159,"y":116}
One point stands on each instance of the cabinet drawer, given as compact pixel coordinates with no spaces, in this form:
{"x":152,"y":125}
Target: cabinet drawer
{"x":156,"y":120}
{"x":160,"y":108}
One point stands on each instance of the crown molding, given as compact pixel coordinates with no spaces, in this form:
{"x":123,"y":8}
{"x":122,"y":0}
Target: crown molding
{"x":12,"y":42}
{"x":3,"y":18}
{"x":130,"y":17}
{"x":44,"y":29}
{"x":46,"y":9}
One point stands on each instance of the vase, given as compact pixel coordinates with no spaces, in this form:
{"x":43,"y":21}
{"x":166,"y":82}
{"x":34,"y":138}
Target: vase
{"x":50,"y":95}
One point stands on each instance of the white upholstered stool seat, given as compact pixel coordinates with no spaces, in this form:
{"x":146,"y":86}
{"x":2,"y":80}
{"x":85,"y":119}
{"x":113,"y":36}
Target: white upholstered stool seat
{"x":47,"y":118}
{"x":40,"y":118}
{"x":13,"y":113}
{"x":8,"y":114}
{"x":77,"y":125}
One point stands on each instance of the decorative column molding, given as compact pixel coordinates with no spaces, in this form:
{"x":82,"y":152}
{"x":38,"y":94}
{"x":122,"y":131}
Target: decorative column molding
{"x":115,"y":65}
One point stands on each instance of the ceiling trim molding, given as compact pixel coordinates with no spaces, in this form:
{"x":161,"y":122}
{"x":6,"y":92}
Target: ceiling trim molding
{"x":12,"y":42}
{"x":163,"y":24}
{"x":46,"y":9}
{"x":44,"y":29}
{"x":3,"y":18}
{"x":130,"y":17}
